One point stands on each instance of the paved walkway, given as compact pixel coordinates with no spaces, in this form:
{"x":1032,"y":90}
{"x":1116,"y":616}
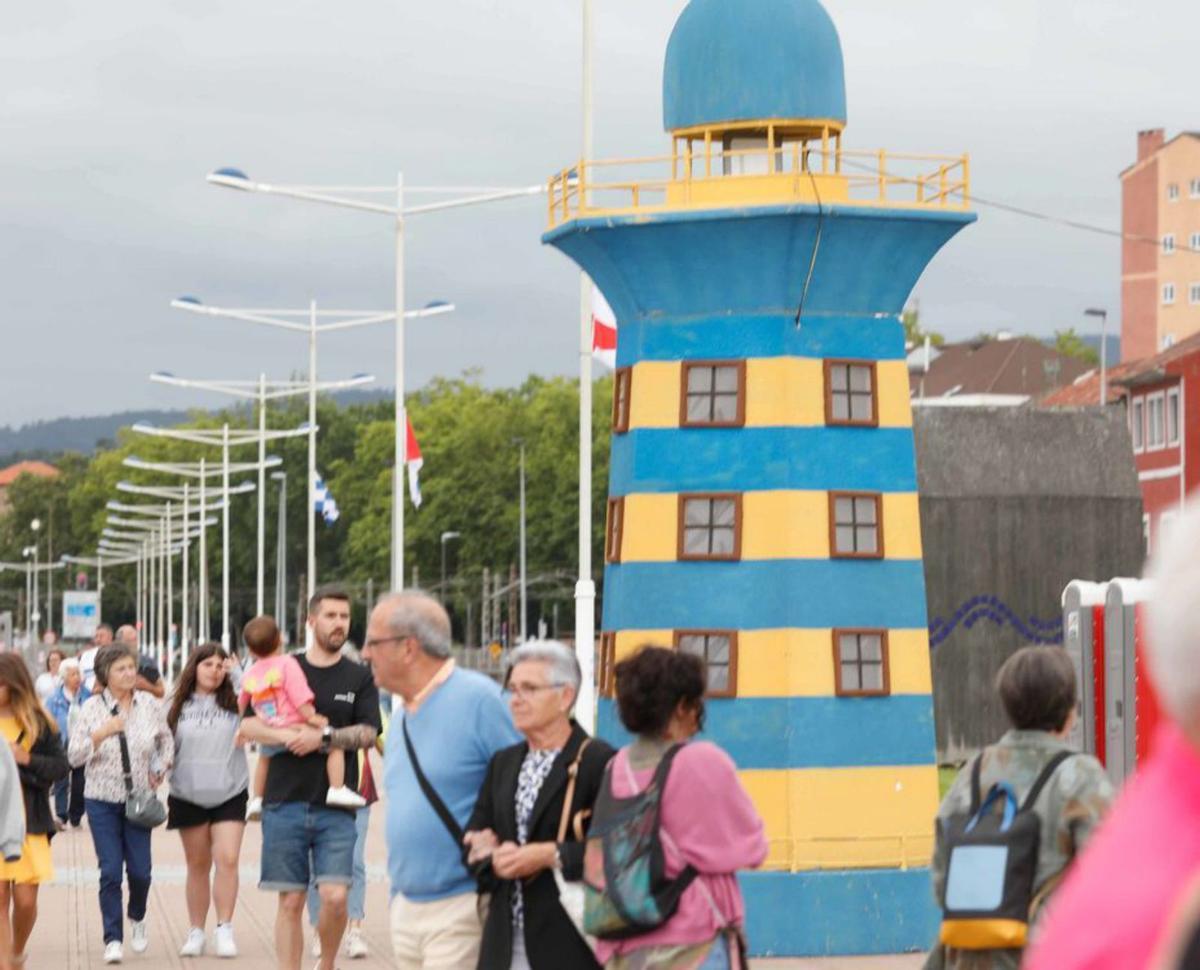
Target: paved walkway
{"x":68,"y":934}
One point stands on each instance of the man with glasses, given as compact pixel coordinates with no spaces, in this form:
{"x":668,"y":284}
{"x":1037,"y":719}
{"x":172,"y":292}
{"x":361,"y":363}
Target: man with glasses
{"x":444,"y":730}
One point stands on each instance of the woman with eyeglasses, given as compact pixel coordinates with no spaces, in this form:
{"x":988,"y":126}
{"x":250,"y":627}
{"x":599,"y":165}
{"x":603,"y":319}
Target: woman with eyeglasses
{"x":533,"y":813}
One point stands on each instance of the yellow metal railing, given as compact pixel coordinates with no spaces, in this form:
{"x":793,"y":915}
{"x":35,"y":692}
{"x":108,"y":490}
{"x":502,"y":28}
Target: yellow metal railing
{"x":850,"y":852}
{"x":710,"y":176}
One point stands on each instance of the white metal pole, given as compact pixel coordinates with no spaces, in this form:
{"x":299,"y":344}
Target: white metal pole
{"x":202,"y":567}
{"x":37,"y":610}
{"x":310,"y":513}
{"x":585,"y":588}
{"x":164,"y":568}
{"x":524,"y":603}
{"x":99,"y":589}
{"x":225,"y":637}
{"x":184,"y":618}
{"x":281,"y":558}
{"x":169,"y":669}
{"x":29,"y":604}
{"x":401,"y":435}
{"x":262,"y":485}
{"x":151,"y":593}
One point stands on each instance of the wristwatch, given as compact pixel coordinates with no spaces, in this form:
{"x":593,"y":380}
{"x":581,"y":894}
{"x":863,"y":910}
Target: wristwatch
{"x":326,"y":738}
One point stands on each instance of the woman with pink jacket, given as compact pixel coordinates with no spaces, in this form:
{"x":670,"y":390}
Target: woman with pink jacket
{"x":708,"y":820}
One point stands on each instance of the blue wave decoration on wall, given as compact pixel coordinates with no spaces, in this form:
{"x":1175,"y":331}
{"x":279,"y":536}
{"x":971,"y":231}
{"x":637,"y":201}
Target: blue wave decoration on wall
{"x":979,"y":608}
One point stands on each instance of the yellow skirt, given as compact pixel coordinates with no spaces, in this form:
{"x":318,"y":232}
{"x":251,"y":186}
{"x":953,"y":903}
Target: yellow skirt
{"x":35,"y":865}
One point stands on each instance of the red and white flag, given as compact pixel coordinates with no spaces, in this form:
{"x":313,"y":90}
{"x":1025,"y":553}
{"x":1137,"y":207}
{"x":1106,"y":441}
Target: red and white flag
{"x":414,"y":462}
{"x":604,"y":330}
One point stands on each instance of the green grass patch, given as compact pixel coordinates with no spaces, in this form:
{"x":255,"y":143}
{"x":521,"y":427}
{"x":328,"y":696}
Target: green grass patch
{"x":946,"y":778}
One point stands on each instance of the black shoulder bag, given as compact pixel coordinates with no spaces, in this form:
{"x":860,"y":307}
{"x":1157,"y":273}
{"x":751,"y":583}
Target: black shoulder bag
{"x":481,"y":871}
{"x":142,"y":808}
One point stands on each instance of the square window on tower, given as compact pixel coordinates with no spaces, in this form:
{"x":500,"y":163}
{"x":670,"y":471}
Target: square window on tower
{"x":856,"y":525}
{"x":860,"y":660}
{"x":718,"y":650}
{"x":851,"y":396}
{"x":710,"y":527}
{"x":712,"y":394}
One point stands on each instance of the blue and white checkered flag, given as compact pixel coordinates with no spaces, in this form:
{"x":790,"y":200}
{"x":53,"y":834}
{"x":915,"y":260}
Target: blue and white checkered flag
{"x":326,"y":505}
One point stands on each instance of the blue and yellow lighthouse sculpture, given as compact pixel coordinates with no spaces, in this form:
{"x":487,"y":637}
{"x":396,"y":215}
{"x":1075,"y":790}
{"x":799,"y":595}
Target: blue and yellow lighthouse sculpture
{"x":763,"y":493}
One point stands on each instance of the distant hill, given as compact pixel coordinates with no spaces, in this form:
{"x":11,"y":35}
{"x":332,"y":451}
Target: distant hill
{"x":45,"y":439}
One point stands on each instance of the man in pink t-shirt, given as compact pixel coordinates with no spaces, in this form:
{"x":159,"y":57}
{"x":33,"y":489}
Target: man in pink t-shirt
{"x":1121,"y":905}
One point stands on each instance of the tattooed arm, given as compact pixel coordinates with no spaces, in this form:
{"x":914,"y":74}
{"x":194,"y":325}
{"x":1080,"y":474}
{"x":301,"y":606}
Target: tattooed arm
{"x":354,"y":737}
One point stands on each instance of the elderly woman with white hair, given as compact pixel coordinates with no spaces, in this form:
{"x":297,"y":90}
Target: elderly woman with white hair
{"x":533,"y":812}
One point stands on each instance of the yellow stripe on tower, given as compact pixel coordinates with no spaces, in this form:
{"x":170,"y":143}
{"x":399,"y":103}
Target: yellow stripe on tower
{"x":799,"y":663}
{"x":781,"y":392}
{"x":776,"y":525}
{"x":835,"y":818}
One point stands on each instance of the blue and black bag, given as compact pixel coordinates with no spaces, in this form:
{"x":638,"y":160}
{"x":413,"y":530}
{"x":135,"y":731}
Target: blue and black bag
{"x":992,"y":859}
{"x":626,"y":891}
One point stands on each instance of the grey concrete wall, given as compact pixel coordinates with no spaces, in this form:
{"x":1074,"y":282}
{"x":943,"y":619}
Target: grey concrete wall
{"x":1015,"y":503}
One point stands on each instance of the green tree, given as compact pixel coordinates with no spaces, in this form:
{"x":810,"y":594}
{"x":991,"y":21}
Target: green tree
{"x":914,"y":336}
{"x":1069,"y":343}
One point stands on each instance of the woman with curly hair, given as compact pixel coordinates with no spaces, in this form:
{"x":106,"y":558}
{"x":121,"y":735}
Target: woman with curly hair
{"x":660,"y":699}
{"x":29,"y":731}
{"x":207,"y":803}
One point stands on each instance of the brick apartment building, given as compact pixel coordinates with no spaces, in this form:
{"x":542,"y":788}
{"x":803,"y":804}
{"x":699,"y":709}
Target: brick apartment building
{"x":1160,"y":281}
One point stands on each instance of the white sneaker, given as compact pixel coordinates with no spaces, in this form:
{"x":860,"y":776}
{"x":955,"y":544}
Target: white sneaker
{"x":344,"y":798}
{"x":316,"y":947}
{"x":138,"y":938}
{"x":254,"y":810}
{"x":193,"y":946}
{"x":356,"y":946}
{"x":226,"y":947}
{"x":113,"y":953}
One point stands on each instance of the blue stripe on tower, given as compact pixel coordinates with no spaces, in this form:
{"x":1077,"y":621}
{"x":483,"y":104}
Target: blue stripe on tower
{"x":777,"y":733}
{"x":758,"y":459}
{"x":856,"y":911}
{"x":774,"y":594}
{"x":769,"y":335}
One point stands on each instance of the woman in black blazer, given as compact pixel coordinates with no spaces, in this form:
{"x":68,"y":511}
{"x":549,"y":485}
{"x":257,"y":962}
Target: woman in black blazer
{"x":522,"y":808}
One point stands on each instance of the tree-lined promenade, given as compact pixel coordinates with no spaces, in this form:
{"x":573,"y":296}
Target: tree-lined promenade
{"x":470,"y":438}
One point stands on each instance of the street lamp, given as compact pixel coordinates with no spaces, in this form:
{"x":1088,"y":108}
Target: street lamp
{"x":1103,"y":315}
{"x":344,"y":197}
{"x":36,"y":614}
{"x":199,"y":470}
{"x":263,"y":391}
{"x":286,"y":319}
{"x":446,"y":537}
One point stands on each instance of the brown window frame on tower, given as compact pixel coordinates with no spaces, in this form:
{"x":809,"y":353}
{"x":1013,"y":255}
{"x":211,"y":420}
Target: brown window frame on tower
{"x":606,"y":678}
{"x":622,"y":379}
{"x":850,"y":422}
{"x":731,"y":635}
{"x":612,"y":543}
{"x":834,"y":552}
{"x":885,"y":662}
{"x":739,"y":419}
{"x":736,"y":553}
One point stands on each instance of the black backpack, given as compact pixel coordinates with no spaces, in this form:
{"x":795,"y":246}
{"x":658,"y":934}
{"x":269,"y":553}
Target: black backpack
{"x":991,"y":863}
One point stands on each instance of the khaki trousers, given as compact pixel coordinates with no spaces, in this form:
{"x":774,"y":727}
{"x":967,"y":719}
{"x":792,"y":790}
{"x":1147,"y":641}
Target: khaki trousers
{"x":440,"y":935}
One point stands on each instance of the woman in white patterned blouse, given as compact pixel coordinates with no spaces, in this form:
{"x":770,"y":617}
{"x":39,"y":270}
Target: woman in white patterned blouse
{"x":96,"y":743}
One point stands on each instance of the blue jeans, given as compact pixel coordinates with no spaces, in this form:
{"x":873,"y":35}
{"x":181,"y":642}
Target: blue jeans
{"x":356,"y":905}
{"x":119,"y":845}
{"x":303,"y":842}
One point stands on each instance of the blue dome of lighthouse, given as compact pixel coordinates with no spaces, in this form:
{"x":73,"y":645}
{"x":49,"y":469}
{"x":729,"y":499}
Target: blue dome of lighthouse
{"x":746,"y":60}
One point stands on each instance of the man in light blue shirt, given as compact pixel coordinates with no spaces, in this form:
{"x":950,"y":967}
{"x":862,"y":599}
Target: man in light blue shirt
{"x":455,"y":720}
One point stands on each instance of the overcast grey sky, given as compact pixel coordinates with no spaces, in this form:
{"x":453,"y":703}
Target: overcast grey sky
{"x":112,"y":113}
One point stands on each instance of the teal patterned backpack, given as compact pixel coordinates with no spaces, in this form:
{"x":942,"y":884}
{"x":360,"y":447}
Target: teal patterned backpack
{"x":626,"y":891}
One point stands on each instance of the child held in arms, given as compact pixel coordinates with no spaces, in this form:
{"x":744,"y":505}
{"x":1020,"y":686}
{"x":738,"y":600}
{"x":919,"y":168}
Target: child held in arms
{"x":277,"y":690}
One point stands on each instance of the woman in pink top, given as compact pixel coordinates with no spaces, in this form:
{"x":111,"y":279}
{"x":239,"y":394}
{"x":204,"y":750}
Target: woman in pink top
{"x":708,"y":820}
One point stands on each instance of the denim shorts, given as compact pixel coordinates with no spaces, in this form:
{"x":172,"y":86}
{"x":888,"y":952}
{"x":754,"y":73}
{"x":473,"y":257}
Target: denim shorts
{"x":301,"y":840}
